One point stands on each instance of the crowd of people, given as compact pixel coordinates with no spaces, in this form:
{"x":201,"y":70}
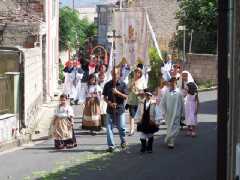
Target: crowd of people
{"x":106,"y":100}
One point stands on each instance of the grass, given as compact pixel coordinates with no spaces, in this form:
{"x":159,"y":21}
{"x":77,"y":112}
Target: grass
{"x":70,"y":167}
{"x":205,"y":84}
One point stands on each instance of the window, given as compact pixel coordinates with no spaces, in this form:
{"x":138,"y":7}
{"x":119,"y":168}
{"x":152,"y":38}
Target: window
{"x":103,"y":16}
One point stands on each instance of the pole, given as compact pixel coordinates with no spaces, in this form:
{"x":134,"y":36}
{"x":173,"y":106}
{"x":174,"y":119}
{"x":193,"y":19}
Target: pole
{"x":222,"y":124}
{"x":73,"y":3}
{"x":190,"y":44}
{"x":184,"y":45}
{"x":121,"y":4}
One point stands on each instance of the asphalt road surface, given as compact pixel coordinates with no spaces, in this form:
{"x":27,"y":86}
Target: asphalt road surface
{"x":193,"y":158}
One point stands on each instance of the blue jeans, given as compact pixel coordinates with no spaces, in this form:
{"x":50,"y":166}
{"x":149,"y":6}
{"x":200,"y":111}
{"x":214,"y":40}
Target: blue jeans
{"x":121,"y":128}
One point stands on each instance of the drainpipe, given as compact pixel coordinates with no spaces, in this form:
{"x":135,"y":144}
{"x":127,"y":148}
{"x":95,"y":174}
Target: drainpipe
{"x":222,"y":124}
{"x":49,"y":45}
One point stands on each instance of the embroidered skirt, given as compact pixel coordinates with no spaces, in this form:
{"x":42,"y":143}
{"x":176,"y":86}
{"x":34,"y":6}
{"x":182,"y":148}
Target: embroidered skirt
{"x":62,"y":129}
{"x":92,"y":115}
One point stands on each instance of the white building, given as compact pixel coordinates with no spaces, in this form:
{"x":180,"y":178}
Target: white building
{"x":89,"y":13}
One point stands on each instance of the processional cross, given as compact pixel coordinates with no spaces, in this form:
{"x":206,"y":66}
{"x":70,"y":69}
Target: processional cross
{"x":114,"y":37}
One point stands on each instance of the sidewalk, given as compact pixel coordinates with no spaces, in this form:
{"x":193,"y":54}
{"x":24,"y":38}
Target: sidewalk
{"x":41,"y":130}
{"x":46,"y":113}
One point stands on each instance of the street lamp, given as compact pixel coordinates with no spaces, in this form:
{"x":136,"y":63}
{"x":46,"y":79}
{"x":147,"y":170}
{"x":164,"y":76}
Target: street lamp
{"x":183,"y":28}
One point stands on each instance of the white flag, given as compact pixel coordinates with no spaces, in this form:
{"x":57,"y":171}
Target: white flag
{"x":133,"y":44}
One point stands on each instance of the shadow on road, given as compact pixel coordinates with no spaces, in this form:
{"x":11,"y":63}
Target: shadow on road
{"x":208,"y":107}
{"x":193,"y":158}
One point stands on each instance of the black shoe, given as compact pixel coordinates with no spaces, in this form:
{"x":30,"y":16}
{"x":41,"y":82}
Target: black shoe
{"x":170,"y":147}
{"x":124,"y":145}
{"x":93,"y":133}
{"x":131,"y":134}
{"x":110,"y":149}
{"x":72,"y":102}
{"x":149,"y":145}
{"x":143,"y":147}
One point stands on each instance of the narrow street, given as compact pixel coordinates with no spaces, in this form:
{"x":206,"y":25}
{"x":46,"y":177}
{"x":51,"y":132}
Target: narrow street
{"x":193,"y":158}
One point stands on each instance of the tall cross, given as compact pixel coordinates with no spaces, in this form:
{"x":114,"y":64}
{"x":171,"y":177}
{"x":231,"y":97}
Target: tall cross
{"x":114,"y":37}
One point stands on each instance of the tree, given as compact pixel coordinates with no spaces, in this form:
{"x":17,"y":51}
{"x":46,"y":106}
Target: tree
{"x":199,"y":17}
{"x":73,"y":30}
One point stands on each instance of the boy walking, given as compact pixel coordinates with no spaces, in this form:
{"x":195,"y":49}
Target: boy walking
{"x":146,"y":117}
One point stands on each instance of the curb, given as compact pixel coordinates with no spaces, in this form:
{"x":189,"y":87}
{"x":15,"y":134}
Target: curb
{"x":25,"y":139}
{"x":208,"y":89}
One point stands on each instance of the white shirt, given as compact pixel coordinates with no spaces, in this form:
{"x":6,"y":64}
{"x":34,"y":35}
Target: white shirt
{"x":147,"y":104}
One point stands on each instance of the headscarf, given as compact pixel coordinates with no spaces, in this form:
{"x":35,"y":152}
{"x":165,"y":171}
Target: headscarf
{"x":190,"y":79}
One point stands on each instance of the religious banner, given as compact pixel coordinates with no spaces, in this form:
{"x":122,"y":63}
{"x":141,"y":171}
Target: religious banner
{"x":131,"y":25}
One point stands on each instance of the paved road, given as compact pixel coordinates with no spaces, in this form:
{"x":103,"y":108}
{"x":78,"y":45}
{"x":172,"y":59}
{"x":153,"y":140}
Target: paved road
{"x":193,"y":158}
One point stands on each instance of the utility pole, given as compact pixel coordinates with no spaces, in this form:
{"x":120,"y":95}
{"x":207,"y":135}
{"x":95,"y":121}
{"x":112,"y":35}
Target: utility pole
{"x":73,"y":4}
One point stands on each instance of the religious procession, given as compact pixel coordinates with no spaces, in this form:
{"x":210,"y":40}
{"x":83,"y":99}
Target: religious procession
{"x":112,"y":97}
{"x":117,"y":89}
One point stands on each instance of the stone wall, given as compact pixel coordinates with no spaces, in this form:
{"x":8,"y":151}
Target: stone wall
{"x":203,"y":67}
{"x":8,"y":125}
{"x":33,"y":84}
{"x":162,"y":16}
{"x":19,"y":34}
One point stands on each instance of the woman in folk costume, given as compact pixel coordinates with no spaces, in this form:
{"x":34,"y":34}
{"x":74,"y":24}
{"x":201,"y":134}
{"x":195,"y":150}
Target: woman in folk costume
{"x":102,"y":70}
{"x":147,"y":125}
{"x":103,"y":104}
{"x":73,"y":81}
{"x":63,"y":125}
{"x":67,"y":80}
{"x":191,"y":109}
{"x":92,"y":65}
{"x":78,"y":75}
{"x":160,"y":93}
{"x":173,"y":111}
{"x":136,"y":88}
{"x":102,"y":79}
{"x":91,"y":112}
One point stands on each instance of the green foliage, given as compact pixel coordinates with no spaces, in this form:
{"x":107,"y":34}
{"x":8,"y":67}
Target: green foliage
{"x":205,"y":84}
{"x":201,"y":17}
{"x":155,"y":73}
{"x":73,"y":30}
{"x":61,"y":73}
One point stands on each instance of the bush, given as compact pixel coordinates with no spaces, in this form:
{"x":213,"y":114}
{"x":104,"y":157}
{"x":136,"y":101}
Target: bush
{"x":61,"y":73}
{"x":155,"y":73}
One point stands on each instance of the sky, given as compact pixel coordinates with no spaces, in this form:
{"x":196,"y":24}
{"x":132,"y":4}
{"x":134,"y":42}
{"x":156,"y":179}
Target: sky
{"x":84,"y":3}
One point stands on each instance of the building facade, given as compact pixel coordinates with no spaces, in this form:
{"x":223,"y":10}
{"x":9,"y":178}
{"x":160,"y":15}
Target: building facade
{"x":162,"y":15}
{"x":30,"y":30}
{"x":104,"y":23}
{"x":88,"y":13}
